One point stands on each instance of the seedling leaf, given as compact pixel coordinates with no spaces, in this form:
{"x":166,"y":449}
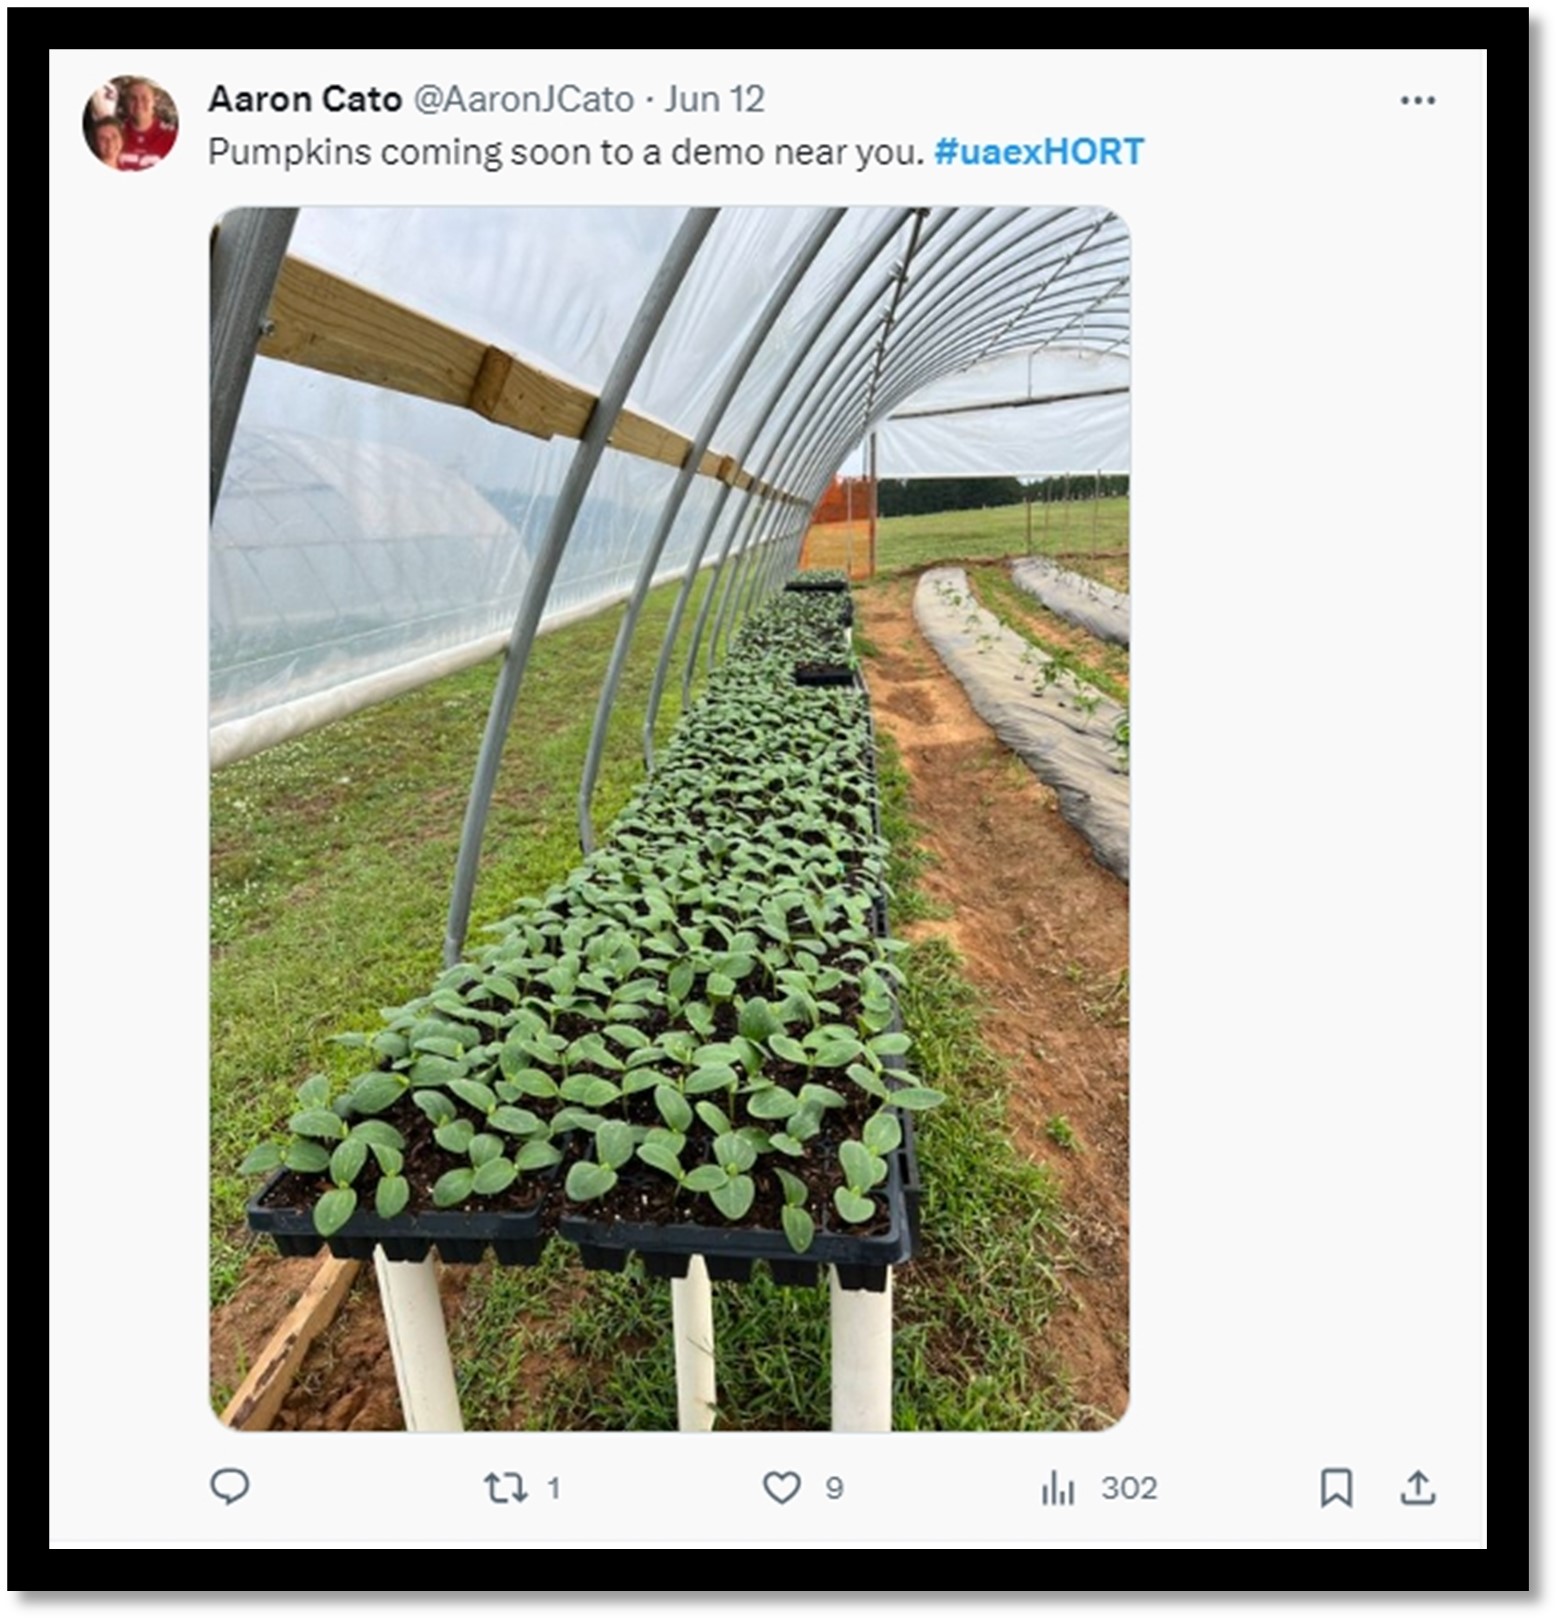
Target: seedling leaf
{"x":391,"y":1195}
{"x":455,"y":1136}
{"x":493,"y":1176}
{"x":303,"y":1155}
{"x":378,"y":1132}
{"x":537,"y":1155}
{"x":516,"y":1122}
{"x":589,"y":1181}
{"x":485,"y":1146}
{"x":798,"y":1227}
{"x":674,"y":1109}
{"x":882,"y":1134}
{"x":734,"y":1198}
{"x":333,"y":1209}
{"x":918,"y":1097}
{"x":662,"y":1158}
{"x":347,"y":1161}
{"x":475,"y":1093}
{"x":453,"y":1186}
{"x":318,"y":1123}
{"x":615,"y":1143}
{"x":435,"y":1105}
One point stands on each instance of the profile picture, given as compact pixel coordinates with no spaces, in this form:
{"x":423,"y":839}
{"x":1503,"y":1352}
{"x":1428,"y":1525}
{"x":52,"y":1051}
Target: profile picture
{"x":130,"y":123}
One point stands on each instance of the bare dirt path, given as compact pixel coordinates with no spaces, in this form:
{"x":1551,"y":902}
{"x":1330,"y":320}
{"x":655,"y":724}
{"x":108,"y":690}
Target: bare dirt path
{"x":1042,"y":929}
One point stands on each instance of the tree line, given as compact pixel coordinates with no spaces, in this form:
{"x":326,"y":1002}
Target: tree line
{"x":900,"y":498}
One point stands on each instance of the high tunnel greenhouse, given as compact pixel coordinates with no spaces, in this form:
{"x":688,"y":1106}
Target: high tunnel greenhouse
{"x":563,"y":469}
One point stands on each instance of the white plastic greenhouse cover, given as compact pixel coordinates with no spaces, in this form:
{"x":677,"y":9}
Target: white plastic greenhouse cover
{"x":1045,"y":412}
{"x":366,"y":540}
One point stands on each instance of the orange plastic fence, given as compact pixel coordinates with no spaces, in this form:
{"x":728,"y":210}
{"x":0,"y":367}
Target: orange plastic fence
{"x":840,"y":546}
{"x":845,"y":500}
{"x":841,"y":532}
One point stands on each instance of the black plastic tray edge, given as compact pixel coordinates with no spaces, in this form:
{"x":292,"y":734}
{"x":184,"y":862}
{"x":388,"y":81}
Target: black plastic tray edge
{"x":516,"y":1237}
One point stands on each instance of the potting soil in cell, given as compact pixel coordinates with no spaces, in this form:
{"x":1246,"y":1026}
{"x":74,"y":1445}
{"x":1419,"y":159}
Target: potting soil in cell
{"x":1099,"y":609}
{"x":1072,"y":750}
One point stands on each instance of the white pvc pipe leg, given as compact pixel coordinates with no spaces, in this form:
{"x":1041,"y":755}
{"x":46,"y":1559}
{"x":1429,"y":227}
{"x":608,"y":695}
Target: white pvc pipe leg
{"x":861,"y":1353}
{"x":419,"y":1344}
{"x":693,"y":1337}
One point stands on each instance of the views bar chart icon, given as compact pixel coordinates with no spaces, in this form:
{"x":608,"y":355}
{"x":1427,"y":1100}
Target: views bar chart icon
{"x":1053,"y":1493}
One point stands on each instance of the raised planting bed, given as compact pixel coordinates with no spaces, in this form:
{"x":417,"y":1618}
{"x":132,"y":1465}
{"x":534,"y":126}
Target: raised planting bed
{"x":689,"y":1047}
{"x":1073,"y":737}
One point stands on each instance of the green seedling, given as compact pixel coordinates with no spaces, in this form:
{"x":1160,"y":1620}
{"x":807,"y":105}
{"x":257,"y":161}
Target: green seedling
{"x":862,"y":1171}
{"x":590,"y":1179}
{"x":794,"y":1217}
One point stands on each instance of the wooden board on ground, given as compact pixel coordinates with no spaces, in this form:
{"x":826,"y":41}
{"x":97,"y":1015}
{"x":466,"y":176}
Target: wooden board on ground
{"x":257,"y":1400}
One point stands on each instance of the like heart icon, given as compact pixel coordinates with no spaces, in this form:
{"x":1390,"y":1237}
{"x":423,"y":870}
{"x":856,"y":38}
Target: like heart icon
{"x":782,"y":1485}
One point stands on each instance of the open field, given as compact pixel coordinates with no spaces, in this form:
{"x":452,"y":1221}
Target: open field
{"x":1090,"y":540}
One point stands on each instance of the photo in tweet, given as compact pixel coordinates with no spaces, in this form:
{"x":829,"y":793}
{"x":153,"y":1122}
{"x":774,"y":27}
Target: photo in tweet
{"x":776,"y":560}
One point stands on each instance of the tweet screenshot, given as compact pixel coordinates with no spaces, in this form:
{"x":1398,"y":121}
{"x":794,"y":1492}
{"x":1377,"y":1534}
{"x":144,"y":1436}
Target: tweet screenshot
{"x":647,"y":988}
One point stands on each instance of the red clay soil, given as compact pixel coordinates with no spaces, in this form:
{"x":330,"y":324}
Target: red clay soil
{"x":347,"y":1381}
{"x":1042,"y":929}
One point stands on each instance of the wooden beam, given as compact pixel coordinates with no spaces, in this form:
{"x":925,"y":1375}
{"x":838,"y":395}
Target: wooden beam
{"x":325,"y":322}
{"x":330,"y":324}
{"x":515,"y":395}
{"x":259,"y":1399}
{"x":643,"y":436}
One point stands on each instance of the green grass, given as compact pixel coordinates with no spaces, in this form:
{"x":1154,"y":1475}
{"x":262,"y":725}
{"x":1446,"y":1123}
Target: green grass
{"x":331,"y":871}
{"x":1060,"y":1131}
{"x":1071,"y":528}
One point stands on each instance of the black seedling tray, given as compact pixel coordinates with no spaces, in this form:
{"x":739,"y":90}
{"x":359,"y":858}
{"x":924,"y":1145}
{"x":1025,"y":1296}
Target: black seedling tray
{"x":824,"y":675}
{"x":817,"y":585}
{"x":516,"y":1237}
{"x":729,"y":1253}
